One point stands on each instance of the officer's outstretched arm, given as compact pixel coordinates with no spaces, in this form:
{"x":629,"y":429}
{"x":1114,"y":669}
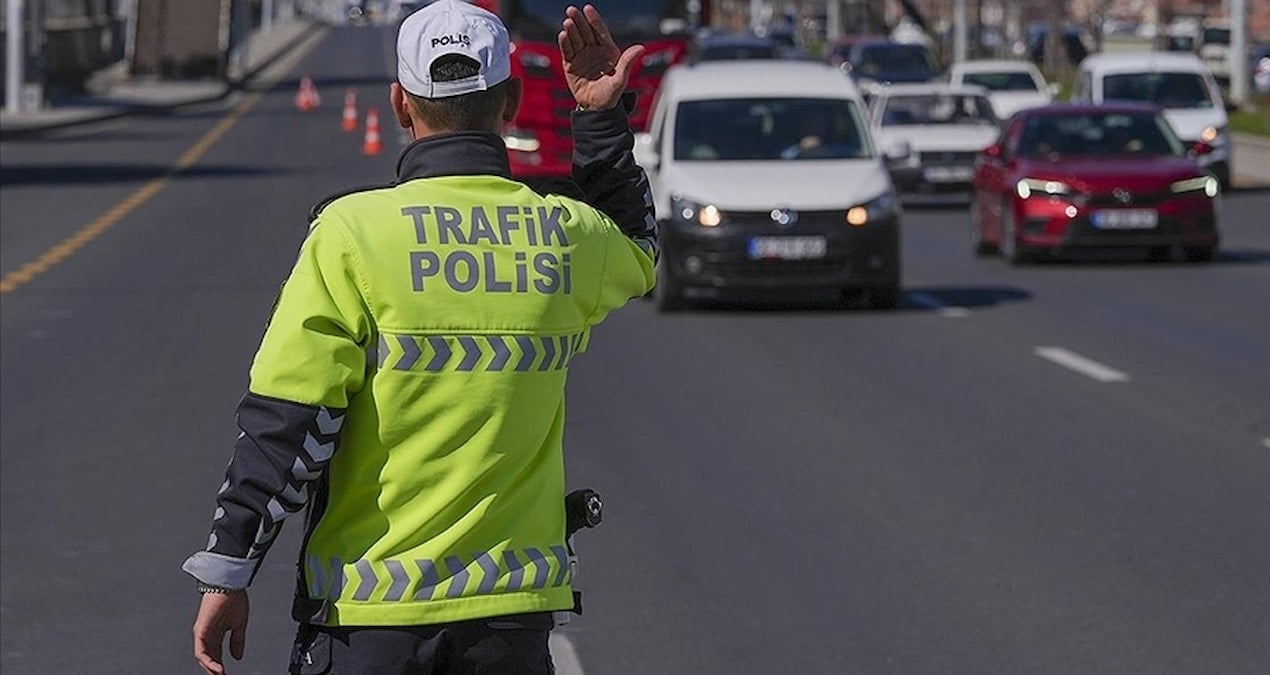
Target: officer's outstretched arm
{"x":311,"y":361}
{"x":597,"y":72}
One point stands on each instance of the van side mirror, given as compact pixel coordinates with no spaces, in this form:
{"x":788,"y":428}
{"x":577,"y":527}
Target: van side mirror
{"x":646,"y":152}
{"x":898,"y":151}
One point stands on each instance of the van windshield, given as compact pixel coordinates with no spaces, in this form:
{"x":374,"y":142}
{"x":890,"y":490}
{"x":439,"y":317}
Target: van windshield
{"x":1001,"y":81}
{"x":757,"y":129}
{"x":1167,"y":90}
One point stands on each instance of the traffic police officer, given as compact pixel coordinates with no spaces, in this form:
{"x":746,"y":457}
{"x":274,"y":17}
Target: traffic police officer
{"x":409,"y":390}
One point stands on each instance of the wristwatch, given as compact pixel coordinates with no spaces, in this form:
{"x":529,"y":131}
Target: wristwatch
{"x":208,"y":588}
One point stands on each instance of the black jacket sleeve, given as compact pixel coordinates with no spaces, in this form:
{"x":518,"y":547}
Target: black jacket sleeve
{"x":604,"y":167}
{"x":278,"y":460}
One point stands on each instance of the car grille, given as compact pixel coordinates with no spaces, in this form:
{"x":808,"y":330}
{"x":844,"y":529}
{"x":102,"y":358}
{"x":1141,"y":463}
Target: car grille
{"x":1136,"y":199}
{"x":949,"y":157}
{"x":806,"y":219}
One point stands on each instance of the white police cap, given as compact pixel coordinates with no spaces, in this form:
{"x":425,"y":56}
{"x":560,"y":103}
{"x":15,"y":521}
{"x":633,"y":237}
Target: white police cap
{"x":450,"y":48}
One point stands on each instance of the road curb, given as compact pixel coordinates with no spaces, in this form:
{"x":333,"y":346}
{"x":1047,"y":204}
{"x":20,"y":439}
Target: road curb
{"x":240,"y":83}
{"x":1249,"y":139}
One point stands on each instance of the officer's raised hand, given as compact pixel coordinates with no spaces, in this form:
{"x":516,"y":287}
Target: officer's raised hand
{"x":595,"y":69}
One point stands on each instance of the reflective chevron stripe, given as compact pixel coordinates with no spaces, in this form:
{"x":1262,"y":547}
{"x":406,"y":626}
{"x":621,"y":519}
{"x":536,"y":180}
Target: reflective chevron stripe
{"x":422,"y":580}
{"x":477,"y":353}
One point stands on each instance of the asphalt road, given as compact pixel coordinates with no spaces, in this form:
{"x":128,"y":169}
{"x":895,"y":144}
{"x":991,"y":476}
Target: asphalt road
{"x":1054,"y":469}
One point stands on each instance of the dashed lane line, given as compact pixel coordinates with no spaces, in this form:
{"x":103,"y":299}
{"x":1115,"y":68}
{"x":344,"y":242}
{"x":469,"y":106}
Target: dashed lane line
{"x":932,"y":303}
{"x":86,"y":234}
{"x":564,"y":656}
{"x":1081,"y":364}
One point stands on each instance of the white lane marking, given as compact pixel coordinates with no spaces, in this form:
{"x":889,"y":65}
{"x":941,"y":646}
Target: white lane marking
{"x":564,"y":655}
{"x":931,"y":302}
{"x":1085,"y":366}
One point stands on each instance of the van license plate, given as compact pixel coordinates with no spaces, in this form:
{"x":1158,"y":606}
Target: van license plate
{"x":788,"y":248}
{"x":1126,"y":219}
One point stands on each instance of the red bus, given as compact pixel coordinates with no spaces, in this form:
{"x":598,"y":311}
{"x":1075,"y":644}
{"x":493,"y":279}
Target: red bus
{"x":539,"y":141}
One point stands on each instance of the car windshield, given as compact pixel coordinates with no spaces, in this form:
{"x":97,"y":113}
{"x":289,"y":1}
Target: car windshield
{"x":735,"y":51}
{"x":1099,"y":135}
{"x":1002,"y":81}
{"x":895,"y":58}
{"x":625,"y":18}
{"x":1167,"y":90}
{"x":950,"y":109}
{"x":757,"y":129}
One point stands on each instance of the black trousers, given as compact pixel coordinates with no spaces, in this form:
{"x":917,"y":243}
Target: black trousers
{"x":506,"y":645}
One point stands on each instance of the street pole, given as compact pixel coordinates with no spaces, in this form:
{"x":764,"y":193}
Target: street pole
{"x":15,"y":55}
{"x":1238,"y":51}
{"x":833,"y":20}
{"x":959,"y":31}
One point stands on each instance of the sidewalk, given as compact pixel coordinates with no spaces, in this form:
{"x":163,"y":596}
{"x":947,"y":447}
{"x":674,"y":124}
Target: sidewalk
{"x":114,"y":95}
{"x":1251,"y":161}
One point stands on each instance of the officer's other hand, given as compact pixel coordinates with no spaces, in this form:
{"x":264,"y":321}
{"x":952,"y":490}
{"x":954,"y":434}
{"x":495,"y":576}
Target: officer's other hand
{"x":595,"y":69}
{"x":220,"y":613}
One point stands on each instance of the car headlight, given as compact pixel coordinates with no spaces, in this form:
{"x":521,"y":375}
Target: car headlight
{"x":879,"y":208}
{"x":1213,"y":135}
{"x":1208,"y":184}
{"x":1026,"y":187}
{"x":689,"y":211}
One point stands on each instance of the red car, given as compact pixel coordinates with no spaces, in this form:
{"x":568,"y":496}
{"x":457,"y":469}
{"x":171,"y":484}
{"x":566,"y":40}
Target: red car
{"x":1067,"y":177}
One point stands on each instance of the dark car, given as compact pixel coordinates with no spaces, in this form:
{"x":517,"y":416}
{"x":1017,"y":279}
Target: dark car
{"x":889,"y":62}
{"x":1067,"y":177}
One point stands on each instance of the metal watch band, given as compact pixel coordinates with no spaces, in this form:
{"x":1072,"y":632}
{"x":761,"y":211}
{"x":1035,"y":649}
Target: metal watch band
{"x":208,"y":588}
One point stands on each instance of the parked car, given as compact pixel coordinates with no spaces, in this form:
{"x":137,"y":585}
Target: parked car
{"x":766,"y":182}
{"x":883,"y":61}
{"x":1067,"y":177}
{"x":931,"y":134}
{"x":1011,"y":85}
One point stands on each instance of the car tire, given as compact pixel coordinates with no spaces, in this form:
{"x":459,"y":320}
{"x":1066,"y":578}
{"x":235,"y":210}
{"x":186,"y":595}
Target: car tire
{"x":1010,"y":250}
{"x":978,"y":246}
{"x":670,"y":293}
{"x":1201,"y":254}
{"x":885,"y":297}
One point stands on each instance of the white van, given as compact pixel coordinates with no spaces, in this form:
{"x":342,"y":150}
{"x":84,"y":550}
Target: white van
{"x":766,"y":182}
{"x":1178,"y":83}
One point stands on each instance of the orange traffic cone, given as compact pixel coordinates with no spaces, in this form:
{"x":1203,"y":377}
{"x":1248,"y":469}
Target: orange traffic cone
{"x":372,"y":145}
{"x":350,"y":111}
{"x":307,"y":97}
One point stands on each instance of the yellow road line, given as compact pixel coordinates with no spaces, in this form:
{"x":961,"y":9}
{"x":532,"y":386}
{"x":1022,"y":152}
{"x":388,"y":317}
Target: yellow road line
{"x":64,"y":249}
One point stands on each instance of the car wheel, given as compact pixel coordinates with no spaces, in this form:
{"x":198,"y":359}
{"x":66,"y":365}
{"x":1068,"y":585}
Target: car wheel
{"x":670,"y":294}
{"x":1201,"y":254}
{"x":977,"y":245}
{"x":884,"y":297}
{"x":1010,"y":249}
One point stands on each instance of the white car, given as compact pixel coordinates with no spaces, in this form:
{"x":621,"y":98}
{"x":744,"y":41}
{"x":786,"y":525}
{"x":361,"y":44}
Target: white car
{"x":766,"y":182}
{"x":1011,"y":85}
{"x":1177,"y":82}
{"x":932,"y":134}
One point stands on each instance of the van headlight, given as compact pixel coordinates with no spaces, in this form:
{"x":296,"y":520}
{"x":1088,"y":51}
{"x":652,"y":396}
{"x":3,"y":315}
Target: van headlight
{"x":690,"y":211}
{"x":880,"y":208}
{"x":1030,"y":186}
{"x":1207,"y":184}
